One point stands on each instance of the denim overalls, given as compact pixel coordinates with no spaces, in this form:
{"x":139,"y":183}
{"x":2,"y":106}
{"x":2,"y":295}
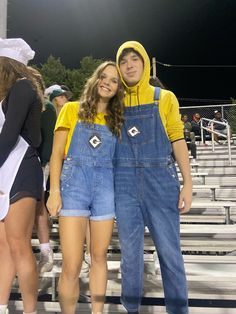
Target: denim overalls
{"x":146,"y":193}
{"x":87,"y":180}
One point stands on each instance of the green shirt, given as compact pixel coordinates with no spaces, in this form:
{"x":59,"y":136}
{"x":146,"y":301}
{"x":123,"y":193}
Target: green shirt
{"x":48,"y":121}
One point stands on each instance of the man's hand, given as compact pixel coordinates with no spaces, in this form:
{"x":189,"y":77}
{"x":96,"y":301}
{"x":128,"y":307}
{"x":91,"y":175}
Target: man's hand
{"x":185,"y":198}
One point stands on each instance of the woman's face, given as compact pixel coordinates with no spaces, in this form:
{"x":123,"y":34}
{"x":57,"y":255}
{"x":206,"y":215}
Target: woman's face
{"x":108,"y":83}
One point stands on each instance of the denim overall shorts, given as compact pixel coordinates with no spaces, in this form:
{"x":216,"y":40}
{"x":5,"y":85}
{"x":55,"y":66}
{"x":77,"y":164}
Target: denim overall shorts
{"x":87,"y":180}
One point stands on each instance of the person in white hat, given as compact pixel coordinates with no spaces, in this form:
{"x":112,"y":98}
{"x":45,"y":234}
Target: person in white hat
{"x":58,"y":96}
{"x":20,"y":171}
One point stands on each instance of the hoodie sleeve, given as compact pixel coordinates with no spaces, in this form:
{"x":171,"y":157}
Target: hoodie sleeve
{"x":170,"y":115}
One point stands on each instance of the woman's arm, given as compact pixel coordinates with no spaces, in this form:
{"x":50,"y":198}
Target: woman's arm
{"x":54,"y":202}
{"x":19,"y":100}
{"x":182,"y":157}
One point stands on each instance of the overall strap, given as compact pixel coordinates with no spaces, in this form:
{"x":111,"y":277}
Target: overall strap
{"x":157,"y":93}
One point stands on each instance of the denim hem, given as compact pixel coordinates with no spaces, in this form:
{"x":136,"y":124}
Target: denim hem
{"x":104,"y":217}
{"x":74,"y":213}
{"x":175,"y":313}
{"x":121,"y":301}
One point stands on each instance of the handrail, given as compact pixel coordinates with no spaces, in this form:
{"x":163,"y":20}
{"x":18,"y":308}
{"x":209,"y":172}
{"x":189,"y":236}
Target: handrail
{"x":211,"y":122}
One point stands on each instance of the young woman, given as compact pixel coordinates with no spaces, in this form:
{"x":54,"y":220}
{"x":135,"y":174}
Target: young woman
{"x":20,"y":171}
{"x":87,"y":131}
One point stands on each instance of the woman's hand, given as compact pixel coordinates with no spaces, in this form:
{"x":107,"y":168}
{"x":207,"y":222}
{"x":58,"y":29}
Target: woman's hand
{"x":54,"y":203}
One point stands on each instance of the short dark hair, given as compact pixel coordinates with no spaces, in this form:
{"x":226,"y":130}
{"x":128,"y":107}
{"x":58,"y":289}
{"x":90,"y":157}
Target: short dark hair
{"x":127,"y":51}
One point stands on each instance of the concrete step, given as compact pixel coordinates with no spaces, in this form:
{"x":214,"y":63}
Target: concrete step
{"x":220,"y":194}
{"x":221,"y":180}
{"x":16,"y":307}
{"x":217,"y":170}
{"x":214,"y":162}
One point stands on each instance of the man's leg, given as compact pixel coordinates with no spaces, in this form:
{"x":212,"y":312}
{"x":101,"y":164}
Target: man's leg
{"x":131,"y":235}
{"x":162,"y":216}
{"x":192,"y":137}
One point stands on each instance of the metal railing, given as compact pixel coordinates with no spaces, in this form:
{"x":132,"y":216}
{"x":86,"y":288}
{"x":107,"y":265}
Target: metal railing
{"x":211,"y":129}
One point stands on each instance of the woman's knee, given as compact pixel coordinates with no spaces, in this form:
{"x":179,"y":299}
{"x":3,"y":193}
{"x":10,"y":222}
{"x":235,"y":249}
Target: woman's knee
{"x":71,"y":271}
{"x":20,"y":248}
{"x":99,"y":257}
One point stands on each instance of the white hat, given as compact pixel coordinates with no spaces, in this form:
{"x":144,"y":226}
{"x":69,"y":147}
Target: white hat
{"x":50,"y":89}
{"x":17,"y":49}
{"x":56,"y":90}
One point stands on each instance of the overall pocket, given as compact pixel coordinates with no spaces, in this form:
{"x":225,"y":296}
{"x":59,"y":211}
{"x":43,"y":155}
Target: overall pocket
{"x":67,"y":171}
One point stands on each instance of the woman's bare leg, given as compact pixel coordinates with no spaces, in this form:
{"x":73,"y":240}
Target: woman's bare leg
{"x":7,"y":269}
{"x":101,"y":232}
{"x":43,"y":231}
{"x":18,"y":225}
{"x":72,"y":235}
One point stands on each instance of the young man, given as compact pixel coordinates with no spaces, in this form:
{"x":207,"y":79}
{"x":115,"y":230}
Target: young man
{"x":189,"y":136}
{"x":220,"y":128}
{"x":188,"y":133}
{"x":146,"y":183}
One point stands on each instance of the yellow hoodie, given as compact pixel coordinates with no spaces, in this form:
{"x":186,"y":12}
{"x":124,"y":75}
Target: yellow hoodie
{"x":143,"y":93}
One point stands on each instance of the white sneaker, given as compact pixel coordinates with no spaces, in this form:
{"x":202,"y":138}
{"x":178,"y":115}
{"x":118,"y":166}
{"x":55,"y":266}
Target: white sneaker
{"x":86,"y":262}
{"x":87,"y":258}
{"x":6,"y":311}
{"x":46,"y":261}
{"x":156,"y":263}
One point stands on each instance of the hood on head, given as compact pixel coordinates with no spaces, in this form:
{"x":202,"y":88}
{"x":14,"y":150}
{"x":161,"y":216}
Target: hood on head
{"x":146,"y":69}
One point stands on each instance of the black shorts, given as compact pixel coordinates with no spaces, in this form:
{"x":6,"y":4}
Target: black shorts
{"x":29,"y":178}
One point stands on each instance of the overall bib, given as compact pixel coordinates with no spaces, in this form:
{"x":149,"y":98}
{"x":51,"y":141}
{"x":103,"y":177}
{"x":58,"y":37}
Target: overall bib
{"x":87,"y":180}
{"x":9,"y":169}
{"x":146,"y":193}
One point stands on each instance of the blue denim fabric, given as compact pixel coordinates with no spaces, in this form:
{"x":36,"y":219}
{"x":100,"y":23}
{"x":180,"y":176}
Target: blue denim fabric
{"x":87,"y":179}
{"x":146,"y":193}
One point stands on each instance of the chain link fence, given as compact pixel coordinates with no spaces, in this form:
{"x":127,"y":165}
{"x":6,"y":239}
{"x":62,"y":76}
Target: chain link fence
{"x":228,"y":112}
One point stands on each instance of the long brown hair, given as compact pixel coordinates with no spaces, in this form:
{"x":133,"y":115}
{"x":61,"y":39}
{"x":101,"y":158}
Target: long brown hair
{"x":89,"y":100}
{"x":11,"y":71}
{"x":39,"y":82}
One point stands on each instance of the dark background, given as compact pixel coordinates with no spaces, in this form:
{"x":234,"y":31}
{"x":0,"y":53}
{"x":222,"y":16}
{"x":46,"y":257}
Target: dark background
{"x":176,"y":32}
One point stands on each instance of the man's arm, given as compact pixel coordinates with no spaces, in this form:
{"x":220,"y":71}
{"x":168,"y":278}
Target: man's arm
{"x":180,"y":151}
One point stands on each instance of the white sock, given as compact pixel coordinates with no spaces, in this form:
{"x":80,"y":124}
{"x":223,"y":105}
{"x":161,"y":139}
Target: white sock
{"x":3,"y":308}
{"x":45,"y":247}
{"x":30,"y":312}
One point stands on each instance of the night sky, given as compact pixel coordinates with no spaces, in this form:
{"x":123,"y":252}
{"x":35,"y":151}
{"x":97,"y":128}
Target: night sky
{"x":176,"y":32}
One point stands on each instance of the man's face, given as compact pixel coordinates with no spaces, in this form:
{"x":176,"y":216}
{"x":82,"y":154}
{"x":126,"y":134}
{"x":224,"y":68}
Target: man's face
{"x":218,"y":115}
{"x":185,"y":118}
{"x":131,"y":68}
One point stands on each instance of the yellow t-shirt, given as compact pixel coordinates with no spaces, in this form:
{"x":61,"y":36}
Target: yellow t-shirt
{"x":68,"y":117}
